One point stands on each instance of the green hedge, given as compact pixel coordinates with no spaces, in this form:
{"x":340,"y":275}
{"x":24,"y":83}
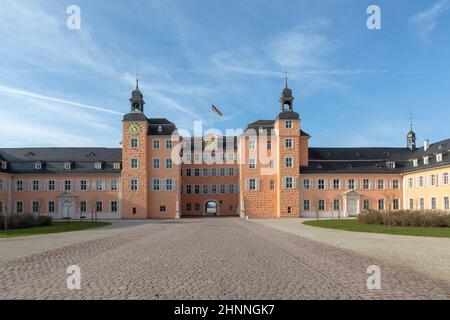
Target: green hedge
{"x":407,"y":218}
{"x":25,"y":221}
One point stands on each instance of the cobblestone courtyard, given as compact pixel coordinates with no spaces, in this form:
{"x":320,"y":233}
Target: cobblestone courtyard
{"x":216,"y":258}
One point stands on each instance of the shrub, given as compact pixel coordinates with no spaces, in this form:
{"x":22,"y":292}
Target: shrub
{"x":407,"y":218}
{"x":25,"y":221}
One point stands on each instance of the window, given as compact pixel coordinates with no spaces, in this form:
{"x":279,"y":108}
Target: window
{"x":205,"y":172}
{"x":67,"y":185}
{"x":197,"y":189}
{"x":222,"y":172}
{"x":155,"y":144}
{"x":156,"y":185}
{"x":113,"y":185}
{"x":134,"y":143}
{"x":306,"y":205}
{"x":19,"y":207}
{"x":289,"y":183}
{"x":439,"y":157}
{"x":426,"y":160}
{"x":445,"y":178}
{"x":288,"y":143}
{"x":415,"y":162}
{"x":160,"y":129}
{"x":432,"y":180}
{"x":4,"y":165}
{"x":99,"y":206}
{"x":169,"y":144}
{"x":1,"y":207}
{"x":251,"y":184}
{"x":252,"y":144}
{"x":134,"y":163}
{"x":252,"y":163}
{"x":336,"y":205}
{"x":321,"y":205}
{"x":213,"y":189}
{"x":288,"y":162}
{"x":134,"y":184}
{"x":390,"y":164}
{"x":19,"y":185}
{"x":169,"y":163}
{"x":99,"y":185}
{"x":289,"y":210}
{"x":421,"y":181}
{"x":231,"y":189}
{"x":351,"y":184}
{"x":114,"y":206}
{"x":366,"y":204}
{"x":396,"y":204}
{"x":433,"y":203}
{"x":162,"y":208}
{"x":169,"y":184}
{"x":67,"y":165}
{"x":289,"y":124}
{"x":336,"y":184}
{"x":189,"y":207}
{"x":116,"y":166}
{"x":411,"y":183}
{"x":35,"y":186}
{"x":98,"y":165}
{"x":321,"y":184}
{"x":83,"y":206}
{"x":422,"y":203}
{"x":83,"y":185}
{"x":188,"y":172}
{"x":366,"y":184}
{"x":213,"y":172}
{"x":156,"y":164}
{"x":1,"y":184}
{"x":51,"y":207}
{"x":223,"y":189}
{"x":306,"y":184}
{"x":35,"y":207}
{"x":380,"y":184}
{"x":38,"y":165}
{"x":411,"y":204}
{"x":197,"y":207}
{"x":380,"y":204}
{"x":395,"y":184}
{"x":446,"y":203}
{"x":188,"y":189}
{"x":231,"y":172}
{"x":272,"y":184}
{"x":269,"y":145}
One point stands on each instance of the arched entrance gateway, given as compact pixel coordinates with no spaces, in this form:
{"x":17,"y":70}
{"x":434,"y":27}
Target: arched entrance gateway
{"x":211,"y":208}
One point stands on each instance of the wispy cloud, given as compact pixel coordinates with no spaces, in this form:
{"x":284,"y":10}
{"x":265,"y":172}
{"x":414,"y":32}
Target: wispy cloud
{"x":24,"y":93}
{"x":426,"y":21}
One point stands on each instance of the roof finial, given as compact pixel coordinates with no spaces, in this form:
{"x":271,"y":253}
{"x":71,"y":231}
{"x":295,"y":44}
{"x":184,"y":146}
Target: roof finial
{"x":137,"y":81}
{"x":411,"y":121}
{"x":286,"y":78}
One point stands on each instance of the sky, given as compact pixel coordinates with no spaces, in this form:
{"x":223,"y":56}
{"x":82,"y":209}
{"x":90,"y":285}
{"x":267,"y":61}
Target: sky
{"x":353,"y":86}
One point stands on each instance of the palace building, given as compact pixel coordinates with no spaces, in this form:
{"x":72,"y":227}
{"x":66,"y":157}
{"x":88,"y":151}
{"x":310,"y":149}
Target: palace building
{"x":268,"y":171}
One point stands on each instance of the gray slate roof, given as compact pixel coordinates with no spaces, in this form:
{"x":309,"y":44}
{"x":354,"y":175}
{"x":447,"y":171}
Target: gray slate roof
{"x":22,"y":160}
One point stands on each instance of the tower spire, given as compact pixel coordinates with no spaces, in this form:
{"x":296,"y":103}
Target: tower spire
{"x":286,"y":78}
{"x":137,"y":81}
{"x":411,"y":137}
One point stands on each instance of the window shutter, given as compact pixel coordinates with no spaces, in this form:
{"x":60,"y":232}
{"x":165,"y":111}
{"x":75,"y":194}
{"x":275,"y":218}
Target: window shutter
{"x":258,"y":186}
{"x":30,"y":185}
{"x":294,"y":182}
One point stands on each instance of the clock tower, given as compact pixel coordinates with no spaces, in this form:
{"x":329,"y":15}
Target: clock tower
{"x":134,"y":203}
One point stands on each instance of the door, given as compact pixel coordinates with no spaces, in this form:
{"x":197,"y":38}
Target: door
{"x":352,"y":207}
{"x":211,"y":208}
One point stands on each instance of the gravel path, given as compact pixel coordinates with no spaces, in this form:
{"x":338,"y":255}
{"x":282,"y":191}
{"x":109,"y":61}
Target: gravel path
{"x":224,"y":258}
{"x":427,"y":255}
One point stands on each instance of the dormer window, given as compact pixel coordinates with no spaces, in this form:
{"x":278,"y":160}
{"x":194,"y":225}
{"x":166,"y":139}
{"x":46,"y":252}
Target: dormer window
{"x":439,"y":157}
{"x":356,"y":154}
{"x":160,"y":129}
{"x":390,"y":164}
{"x":415,"y":162}
{"x":426,"y":160}
{"x":116,"y":165}
{"x":38,"y":165}
{"x":98,"y":165}
{"x":68,"y":165}
{"x":4,"y":165}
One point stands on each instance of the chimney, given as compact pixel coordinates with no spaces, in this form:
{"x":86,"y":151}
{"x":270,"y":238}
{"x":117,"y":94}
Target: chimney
{"x":426,"y":145}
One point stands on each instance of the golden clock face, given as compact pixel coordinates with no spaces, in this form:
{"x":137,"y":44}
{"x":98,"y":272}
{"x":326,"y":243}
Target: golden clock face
{"x":134,"y":129}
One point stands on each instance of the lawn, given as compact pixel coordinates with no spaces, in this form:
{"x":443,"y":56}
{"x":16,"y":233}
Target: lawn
{"x":355,"y":226}
{"x":56,"y":227}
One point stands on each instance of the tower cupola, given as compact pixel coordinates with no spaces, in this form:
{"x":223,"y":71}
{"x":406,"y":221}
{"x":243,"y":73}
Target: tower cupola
{"x":411,"y":137}
{"x":137,"y":99}
{"x":287,"y":99}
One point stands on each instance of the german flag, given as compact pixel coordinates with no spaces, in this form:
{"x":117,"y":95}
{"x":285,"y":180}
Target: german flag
{"x":217,"y":111}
